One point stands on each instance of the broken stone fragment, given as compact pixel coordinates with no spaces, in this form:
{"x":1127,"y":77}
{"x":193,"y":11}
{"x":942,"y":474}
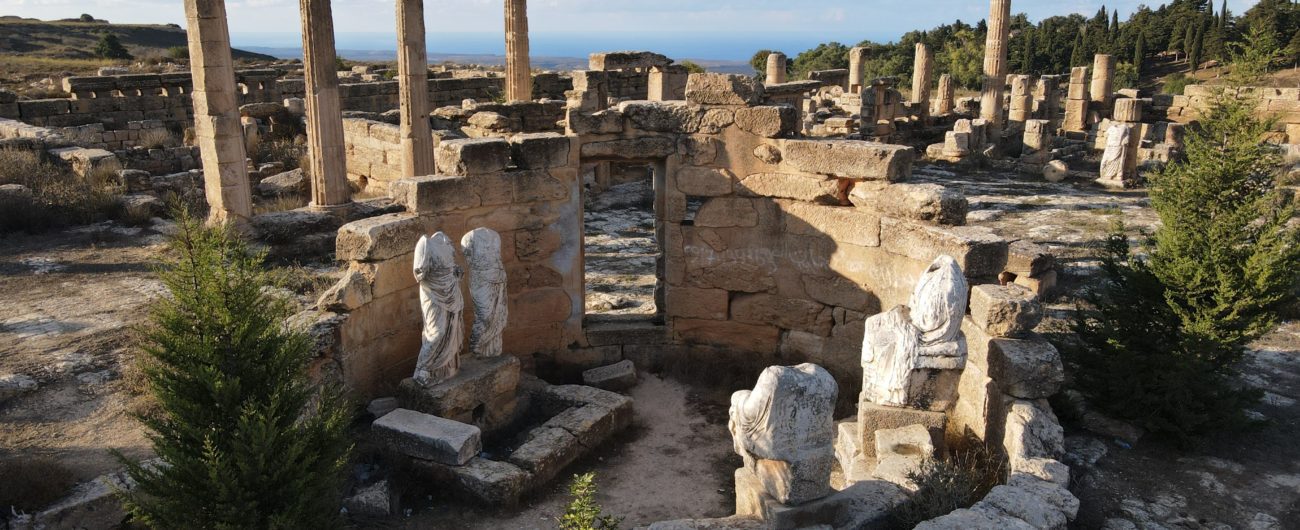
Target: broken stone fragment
{"x":1005,"y":310}
{"x":420,"y":435}
{"x":617,"y":376}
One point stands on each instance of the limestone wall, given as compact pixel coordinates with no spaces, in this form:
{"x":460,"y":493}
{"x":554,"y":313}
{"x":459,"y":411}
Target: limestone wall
{"x":1281,"y":102}
{"x":374,"y":154}
{"x":528,"y":191}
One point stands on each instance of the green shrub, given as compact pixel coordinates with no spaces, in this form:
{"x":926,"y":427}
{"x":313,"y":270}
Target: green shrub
{"x":957,"y":480}
{"x":284,"y":151}
{"x":1177,"y":83}
{"x":694,"y":67}
{"x":245,"y":439}
{"x":109,"y":47}
{"x":583,"y":513}
{"x":1126,"y":76}
{"x":1167,"y":332}
{"x":178,"y":53}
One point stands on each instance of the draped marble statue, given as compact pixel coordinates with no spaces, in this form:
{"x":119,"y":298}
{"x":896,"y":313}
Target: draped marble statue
{"x":784,"y":430}
{"x":443,"y":305}
{"x":487,"y":287}
{"x":1115,"y":159}
{"x":929,"y":326}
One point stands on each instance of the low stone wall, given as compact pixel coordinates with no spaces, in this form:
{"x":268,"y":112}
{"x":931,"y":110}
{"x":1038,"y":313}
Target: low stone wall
{"x":374,"y":155}
{"x":153,"y":132}
{"x":1281,"y":102}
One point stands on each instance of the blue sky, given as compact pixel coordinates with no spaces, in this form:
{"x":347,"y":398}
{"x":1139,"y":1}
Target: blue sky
{"x":804,"y":20}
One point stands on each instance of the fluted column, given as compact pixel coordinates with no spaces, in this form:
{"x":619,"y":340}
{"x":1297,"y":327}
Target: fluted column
{"x":328,"y":167}
{"x":775,"y":68}
{"x":995,"y":61}
{"x":216,"y":113}
{"x":857,"y":69}
{"x":413,"y":90}
{"x":921,"y":80}
{"x":519,"y":70}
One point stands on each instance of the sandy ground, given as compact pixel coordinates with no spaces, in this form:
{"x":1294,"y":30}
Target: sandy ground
{"x":675,"y":462}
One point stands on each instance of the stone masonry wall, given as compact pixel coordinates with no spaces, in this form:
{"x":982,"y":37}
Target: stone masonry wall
{"x":374,"y":153}
{"x":1281,"y":102}
{"x":527,"y":190}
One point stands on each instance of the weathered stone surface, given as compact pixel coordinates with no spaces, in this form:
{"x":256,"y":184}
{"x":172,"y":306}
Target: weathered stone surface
{"x":428,"y":437}
{"x":850,"y":159}
{"x":287,"y":183}
{"x":723,"y":89}
{"x":808,"y":187}
{"x":726,"y":212}
{"x":739,"y":335}
{"x":1005,"y":310}
{"x":140,"y":205}
{"x":634,"y":148}
{"x":617,"y":376}
{"x":705,"y":182}
{"x":872,"y":418}
{"x":472,"y":156}
{"x":378,"y":407}
{"x":1032,"y":431}
{"x":784,"y":431}
{"x":378,"y":238}
{"x":1054,"y":494}
{"x":690,"y":302}
{"x":627,"y":60}
{"x":1044,"y":469}
{"x":540,"y":150}
{"x":735,"y":522}
{"x":290,"y":226}
{"x":1027,"y":368}
{"x":977,"y":250}
{"x":547,"y":451}
{"x":768,"y":154}
{"x":866,"y":504}
{"x":786,"y":313}
{"x":1018,"y":503}
{"x":1025,"y":258}
{"x":488,"y":482}
{"x":965,"y":519}
{"x":591,"y":424}
{"x":560,"y":398}
{"x":14,"y":385}
{"x":768,"y":121}
{"x":910,"y":441}
{"x":924,"y":202}
{"x":486,"y":384}
{"x":374,"y":500}
{"x":843,"y":225}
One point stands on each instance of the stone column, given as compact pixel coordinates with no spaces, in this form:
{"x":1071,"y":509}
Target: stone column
{"x":857,"y":69}
{"x":995,"y":61}
{"x":1127,"y":110}
{"x":946,"y":95}
{"x":921,"y":80}
{"x":1076,"y":103}
{"x":1022,"y":100}
{"x":1103,"y":80}
{"x":1050,"y":87}
{"x":329,"y":181}
{"x":775,"y":68}
{"x":217,"y":126}
{"x":519,"y":70}
{"x":413,"y":90}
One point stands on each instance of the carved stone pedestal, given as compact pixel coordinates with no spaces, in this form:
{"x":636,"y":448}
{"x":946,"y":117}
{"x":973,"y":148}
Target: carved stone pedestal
{"x":483,"y":394}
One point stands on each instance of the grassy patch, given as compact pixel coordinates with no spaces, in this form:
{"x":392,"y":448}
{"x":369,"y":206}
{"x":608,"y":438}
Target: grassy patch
{"x":957,"y":480}
{"x":32,"y":483}
{"x":58,"y":197}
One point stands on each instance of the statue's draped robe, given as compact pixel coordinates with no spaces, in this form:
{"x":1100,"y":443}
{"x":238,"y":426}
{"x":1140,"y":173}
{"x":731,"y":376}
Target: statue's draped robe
{"x":487,"y":287}
{"x":443,"y":306}
{"x":930,"y":325}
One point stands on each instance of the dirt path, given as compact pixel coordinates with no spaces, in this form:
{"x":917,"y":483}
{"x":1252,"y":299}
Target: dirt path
{"x":676,"y":462}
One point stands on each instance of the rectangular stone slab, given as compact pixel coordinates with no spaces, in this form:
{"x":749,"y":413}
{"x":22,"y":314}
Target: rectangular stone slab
{"x":420,"y":435}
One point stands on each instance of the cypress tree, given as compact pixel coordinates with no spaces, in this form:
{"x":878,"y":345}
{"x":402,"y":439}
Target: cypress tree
{"x":1078,"y":56}
{"x":1139,"y":52}
{"x":245,"y":440}
{"x":1189,"y":39}
{"x":1198,"y":46}
{"x":1027,"y":59}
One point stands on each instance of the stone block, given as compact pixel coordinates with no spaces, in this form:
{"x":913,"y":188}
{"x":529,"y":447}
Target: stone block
{"x":842,"y":225}
{"x":547,"y":451}
{"x":723,"y":89}
{"x":862,"y":505}
{"x":727,"y":212}
{"x":591,"y":423}
{"x":378,"y":238}
{"x":602,"y":122}
{"x":1026,"y":258}
{"x":787,"y":313}
{"x":559,"y":398}
{"x":1021,"y":504}
{"x":807,"y":187}
{"x":755,"y":338}
{"x":472,"y":156}
{"x":378,"y":407}
{"x":873,"y":417}
{"x":617,"y":376}
{"x":849,"y":159}
{"x":607,"y":61}
{"x":771,"y":121}
{"x":930,"y":203}
{"x":540,"y":150}
{"x":428,"y":437}
{"x":483,"y":393}
{"x":910,"y":441}
{"x":1032,"y":431}
{"x":1005,"y":310}
{"x":977,"y":250}
{"x":967,"y":519}
{"x":488,"y":482}
{"x":704,"y":182}
{"x":649,"y":147}
{"x":375,"y":500}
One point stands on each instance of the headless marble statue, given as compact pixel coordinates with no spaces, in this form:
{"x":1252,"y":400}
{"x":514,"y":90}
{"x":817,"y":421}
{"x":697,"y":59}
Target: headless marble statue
{"x":784,"y":430}
{"x":487,"y":287}
{"x":895,"y":342}
{"x":443,"y":305}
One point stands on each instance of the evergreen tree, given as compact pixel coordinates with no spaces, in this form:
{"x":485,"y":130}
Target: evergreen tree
{"x":1189,"y":39}
{"x":1139,"y":52}
{"x":1078,"y":57}
{"x":1198,"y":45}
{"x":109,"y":47}
{"x":1167,"y":333}
{"x":245,"y":440}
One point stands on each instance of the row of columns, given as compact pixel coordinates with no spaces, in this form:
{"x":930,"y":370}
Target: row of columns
{"x":216,"y":102}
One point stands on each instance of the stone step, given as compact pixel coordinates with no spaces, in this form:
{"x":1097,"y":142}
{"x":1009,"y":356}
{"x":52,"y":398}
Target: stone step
{"x":420,"y":435}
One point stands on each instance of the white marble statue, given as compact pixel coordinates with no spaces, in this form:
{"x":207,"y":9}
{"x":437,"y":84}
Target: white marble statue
{"x":787,"y":422}
{"x":895,"y":342}
{"x":1114,"y":160}
{"x":487,"y":287}
{"x":443,"y":306}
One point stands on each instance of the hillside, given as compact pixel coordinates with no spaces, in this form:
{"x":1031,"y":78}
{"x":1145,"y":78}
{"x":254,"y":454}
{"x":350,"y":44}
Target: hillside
{"x":65,"y":39}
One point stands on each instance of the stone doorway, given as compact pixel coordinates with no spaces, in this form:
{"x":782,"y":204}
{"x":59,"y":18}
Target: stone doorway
{"x":623,"y":254}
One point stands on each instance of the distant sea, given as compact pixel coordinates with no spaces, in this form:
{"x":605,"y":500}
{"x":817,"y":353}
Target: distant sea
{"x":711,"y":47}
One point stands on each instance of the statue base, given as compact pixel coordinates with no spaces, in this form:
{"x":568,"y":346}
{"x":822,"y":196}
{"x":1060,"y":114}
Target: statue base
{"x":873,"y":417}
{"x":862,"y":505}
{"x":484,"y":393}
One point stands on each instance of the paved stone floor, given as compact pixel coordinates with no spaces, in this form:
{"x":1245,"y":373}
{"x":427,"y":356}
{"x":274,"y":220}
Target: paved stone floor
{"x":621,"y":250}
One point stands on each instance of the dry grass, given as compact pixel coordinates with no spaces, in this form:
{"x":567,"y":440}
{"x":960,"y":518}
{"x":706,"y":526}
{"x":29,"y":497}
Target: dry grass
{"x":282,"y":203}
{"x":157,"y":138}
{"x":957,"y":480}
{"x":30,"y":484}
{"x":59,"y":198}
